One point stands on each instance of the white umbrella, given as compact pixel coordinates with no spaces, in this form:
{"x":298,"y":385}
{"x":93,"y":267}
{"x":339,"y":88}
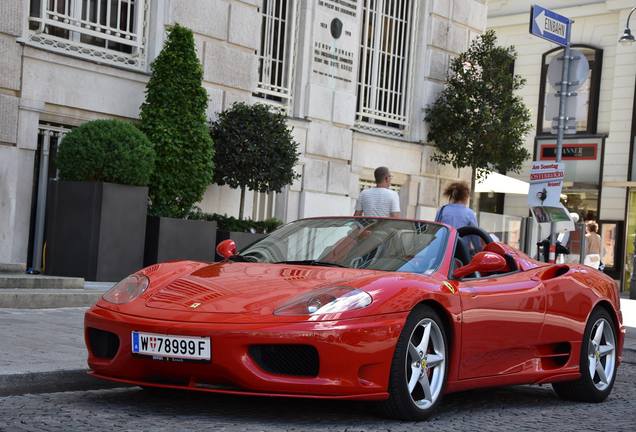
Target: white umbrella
{"x":499,"y":183}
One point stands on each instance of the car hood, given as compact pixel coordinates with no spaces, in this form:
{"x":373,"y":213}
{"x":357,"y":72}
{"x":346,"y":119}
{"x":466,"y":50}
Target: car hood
{"x":248,"y":288}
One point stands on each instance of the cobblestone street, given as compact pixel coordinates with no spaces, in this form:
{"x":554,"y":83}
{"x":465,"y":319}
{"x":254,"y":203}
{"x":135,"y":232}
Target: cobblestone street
{"x":521,"y":408}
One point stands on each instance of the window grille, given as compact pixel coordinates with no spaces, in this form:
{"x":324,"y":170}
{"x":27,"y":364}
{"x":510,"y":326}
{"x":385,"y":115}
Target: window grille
{"x":384,"y":76}
{"x":275,"y":55}
{"x":105,"y":31}
{"x":367,"y":184}
{"x":263,"y":205}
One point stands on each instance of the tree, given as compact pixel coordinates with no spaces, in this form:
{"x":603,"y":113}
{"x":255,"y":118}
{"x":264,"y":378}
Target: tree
{"x":112,"y":151}
{"x":478,"y":121}
{"x":173,"y":117}
{"x":254,"y":149}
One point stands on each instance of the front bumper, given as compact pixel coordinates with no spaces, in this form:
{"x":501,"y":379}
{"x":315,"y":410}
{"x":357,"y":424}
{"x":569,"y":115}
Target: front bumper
{"x":354,"y":356}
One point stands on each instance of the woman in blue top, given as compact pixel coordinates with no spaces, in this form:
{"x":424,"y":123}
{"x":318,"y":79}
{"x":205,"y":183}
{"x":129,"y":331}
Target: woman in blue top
{"x":456,"y":213}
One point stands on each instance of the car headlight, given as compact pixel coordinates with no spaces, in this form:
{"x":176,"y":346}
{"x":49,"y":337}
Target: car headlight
{"x":326,"y":300}
{"x":127,"y":290}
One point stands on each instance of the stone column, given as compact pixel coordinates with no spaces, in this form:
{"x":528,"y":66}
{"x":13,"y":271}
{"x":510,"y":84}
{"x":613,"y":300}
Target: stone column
{"x":15,"y":170}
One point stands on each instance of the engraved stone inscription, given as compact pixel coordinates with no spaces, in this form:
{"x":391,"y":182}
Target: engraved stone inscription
{"x":339,"y":62}
{"x":347,"y":7}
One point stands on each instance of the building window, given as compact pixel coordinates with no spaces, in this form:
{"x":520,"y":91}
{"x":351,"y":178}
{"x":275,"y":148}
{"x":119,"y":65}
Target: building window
{"x":105,"y":31}
{"x":588,"y":93}
{"x":385,"y":63}
{"x":275,"y":55}
{"x":368,"y":184}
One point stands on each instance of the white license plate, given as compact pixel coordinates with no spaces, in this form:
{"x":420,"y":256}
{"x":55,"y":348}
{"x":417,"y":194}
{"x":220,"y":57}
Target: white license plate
{"x":182,"y":347}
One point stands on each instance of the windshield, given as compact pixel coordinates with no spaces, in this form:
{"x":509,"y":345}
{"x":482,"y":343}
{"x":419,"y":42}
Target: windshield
{"x":377,"y":244}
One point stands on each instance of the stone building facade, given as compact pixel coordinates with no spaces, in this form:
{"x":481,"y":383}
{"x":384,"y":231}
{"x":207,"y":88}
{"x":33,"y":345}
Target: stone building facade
{"x":353,"y":77}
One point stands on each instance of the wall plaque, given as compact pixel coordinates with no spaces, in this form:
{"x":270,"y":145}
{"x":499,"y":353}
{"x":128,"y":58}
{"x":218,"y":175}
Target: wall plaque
{"x":335,"y":44}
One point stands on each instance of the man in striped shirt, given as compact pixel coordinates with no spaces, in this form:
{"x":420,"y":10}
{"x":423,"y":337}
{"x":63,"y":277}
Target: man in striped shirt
{"x":379,"y":201}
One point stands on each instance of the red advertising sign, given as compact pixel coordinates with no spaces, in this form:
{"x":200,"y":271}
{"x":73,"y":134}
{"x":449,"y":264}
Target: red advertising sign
{"x":546,"y":181}
{"x":588,"y":151}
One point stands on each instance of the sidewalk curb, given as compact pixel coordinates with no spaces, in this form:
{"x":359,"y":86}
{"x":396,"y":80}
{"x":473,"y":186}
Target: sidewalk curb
{"x":25,"y":281}
{"x":51,"y":382}
{"x":23,"y":298}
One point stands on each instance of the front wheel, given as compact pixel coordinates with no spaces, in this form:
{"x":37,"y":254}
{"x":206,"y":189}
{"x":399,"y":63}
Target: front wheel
{"x":597,"y":363}
{"x":419,"y":367}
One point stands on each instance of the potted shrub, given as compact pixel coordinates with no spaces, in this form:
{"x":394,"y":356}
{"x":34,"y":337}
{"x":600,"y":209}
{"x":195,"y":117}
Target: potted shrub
{"x":244,"y":232}
{"x":173,"y":117}
{"x":254,"y":149}
{"x":96,"y":212}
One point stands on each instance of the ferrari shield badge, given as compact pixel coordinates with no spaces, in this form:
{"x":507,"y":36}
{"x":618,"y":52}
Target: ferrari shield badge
{"x":449,"y":286}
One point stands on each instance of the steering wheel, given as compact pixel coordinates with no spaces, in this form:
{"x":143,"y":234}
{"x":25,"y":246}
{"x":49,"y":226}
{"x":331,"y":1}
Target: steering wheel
{"x":473,"y":230}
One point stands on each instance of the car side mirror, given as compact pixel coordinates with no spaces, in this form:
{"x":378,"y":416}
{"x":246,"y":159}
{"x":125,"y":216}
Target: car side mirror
{"x":483,"y":262}
{"x":227,"y":248}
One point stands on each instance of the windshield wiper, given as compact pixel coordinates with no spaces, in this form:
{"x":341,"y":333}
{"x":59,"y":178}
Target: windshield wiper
{"x":313,"y":262}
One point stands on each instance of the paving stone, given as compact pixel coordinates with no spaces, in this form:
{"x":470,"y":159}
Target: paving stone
{"x":42,"y":340}
{"x":520,"y":408}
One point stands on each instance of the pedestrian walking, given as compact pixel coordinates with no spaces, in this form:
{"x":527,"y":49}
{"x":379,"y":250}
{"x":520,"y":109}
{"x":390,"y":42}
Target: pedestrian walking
{"x":456,"y":213}
{"x":592,"y":246}
{"x":379,"y":201}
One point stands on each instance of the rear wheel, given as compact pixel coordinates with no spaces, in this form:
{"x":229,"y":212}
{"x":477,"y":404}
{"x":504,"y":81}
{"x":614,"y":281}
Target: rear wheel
{"x":419,"y":367}
{"x":597,"y":363}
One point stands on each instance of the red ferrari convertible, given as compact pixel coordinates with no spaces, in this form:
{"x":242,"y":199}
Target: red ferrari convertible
{"x":387,"y":310}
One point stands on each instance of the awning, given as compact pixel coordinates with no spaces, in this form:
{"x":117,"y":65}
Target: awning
{"x":499,"y":183}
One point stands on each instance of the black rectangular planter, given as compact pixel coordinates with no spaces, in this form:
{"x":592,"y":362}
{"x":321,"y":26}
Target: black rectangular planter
{"x":242,"y":239}
{"x":95,"y":230}
{"x":179,"y":239}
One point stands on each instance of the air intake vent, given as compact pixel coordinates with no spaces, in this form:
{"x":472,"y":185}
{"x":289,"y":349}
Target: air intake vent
{"x":103,"y":344}
{"x":184,"y":292}
{"x":554,"y":356}
{"x":296,"y":360}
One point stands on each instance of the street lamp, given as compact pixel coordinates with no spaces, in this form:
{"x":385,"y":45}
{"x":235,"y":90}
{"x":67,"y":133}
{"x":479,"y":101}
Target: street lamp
{"x":628,"y":37}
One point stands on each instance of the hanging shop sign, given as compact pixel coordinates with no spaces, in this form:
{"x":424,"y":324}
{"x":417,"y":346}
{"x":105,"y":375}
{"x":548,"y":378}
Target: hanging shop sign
{"x":544,"y":195}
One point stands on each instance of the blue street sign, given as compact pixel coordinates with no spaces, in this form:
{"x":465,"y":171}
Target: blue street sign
{"x":549,"y":25}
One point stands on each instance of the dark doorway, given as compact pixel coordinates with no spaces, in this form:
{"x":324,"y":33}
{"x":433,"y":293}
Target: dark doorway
{"x":51,"y":134}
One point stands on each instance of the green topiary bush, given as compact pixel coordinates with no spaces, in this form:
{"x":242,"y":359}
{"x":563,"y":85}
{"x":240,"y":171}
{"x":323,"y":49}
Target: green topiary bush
{"x":173,"y":117}
{"x":230,"y":223}
{"x":111,"y":151}
{"x":254,"y":149}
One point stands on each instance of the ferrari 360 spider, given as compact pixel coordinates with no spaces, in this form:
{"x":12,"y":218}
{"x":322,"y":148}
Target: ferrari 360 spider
{"x":395,"y":311}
